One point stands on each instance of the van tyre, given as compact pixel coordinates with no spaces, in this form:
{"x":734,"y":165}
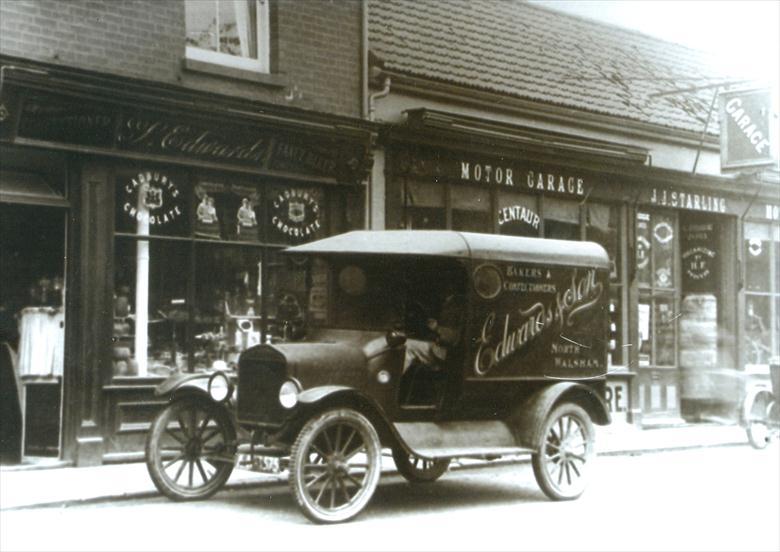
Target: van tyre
{"x":564,"y":452}
{"x":190,"y":449}
{"x":419,"y":470}
{"x":335,"y":465}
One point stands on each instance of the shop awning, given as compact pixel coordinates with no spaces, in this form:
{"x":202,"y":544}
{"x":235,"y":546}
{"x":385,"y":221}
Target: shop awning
{"x":26,"y":187}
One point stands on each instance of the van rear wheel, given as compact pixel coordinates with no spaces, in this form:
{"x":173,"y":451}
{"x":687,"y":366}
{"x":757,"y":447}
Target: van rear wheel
{"x":419,"y":470}
{"x":335,"y":465}
{"x":564,"y":452}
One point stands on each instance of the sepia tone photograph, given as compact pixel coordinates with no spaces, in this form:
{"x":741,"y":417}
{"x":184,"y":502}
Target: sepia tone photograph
{"x":389,"y":275}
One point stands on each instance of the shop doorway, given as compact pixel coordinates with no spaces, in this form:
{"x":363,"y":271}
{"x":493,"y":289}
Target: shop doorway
{"x":32,"y":322}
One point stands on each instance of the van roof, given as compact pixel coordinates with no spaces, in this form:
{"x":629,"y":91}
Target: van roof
{"x":459,"y":245}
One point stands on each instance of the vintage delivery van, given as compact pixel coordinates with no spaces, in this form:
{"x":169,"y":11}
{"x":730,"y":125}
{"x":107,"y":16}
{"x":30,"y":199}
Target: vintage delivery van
{"x":431,"y":345}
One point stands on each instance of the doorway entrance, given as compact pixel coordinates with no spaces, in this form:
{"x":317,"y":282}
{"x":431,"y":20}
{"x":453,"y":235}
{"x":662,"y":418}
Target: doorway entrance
{"x":32,"y":330}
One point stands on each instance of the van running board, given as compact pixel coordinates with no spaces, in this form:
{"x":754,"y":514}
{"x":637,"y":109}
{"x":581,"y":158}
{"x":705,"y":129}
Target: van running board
{"x":459,"y":439}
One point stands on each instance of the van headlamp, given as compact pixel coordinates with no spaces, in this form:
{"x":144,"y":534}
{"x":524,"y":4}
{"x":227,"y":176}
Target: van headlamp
{"x":220,"y":388}
{"x":288,"y":393}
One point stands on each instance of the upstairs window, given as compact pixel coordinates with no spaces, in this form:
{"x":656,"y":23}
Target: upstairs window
{"x":234,"y":33}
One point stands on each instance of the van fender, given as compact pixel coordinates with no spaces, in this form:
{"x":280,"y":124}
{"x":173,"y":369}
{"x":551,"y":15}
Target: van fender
{"x":316,"y":394}
{"x":178,"y":385}
{"x":317,"y":399}
{"x":527,"y":420}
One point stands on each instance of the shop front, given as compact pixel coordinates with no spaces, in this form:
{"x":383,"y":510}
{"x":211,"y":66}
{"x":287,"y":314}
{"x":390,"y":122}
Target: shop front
{"x":673,"y":241}
{"x":143,"y":234}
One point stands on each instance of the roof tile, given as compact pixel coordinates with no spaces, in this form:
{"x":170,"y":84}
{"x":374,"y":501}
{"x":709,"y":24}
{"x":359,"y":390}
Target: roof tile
{"x":518,"y":49}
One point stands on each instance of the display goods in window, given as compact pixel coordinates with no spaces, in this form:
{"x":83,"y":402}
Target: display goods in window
{"x":432,"y":345}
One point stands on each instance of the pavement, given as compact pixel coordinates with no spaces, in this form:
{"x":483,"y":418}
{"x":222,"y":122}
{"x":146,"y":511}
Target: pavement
{"x":56,"y":485}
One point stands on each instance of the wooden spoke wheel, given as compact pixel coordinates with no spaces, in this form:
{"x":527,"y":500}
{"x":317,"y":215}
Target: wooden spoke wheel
{"x":335,"y":465}
{"x":190,"y":449}
{"x":566,"y":448}
{"x":419,"y":470}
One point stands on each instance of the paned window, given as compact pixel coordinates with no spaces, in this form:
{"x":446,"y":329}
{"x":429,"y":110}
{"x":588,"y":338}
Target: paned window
{"x":425,"y":207}
{"x":228,"y":32}
{"x":603,"y":227}
{"x":656,"y":235}
{"x":198,"y":277}
{"x":561,"y":219}
{"x":762,"y":293}
{"x":471,"y":209}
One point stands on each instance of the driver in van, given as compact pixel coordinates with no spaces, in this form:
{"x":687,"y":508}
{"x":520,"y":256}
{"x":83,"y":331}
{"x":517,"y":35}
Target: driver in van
{"x":445,"y":331}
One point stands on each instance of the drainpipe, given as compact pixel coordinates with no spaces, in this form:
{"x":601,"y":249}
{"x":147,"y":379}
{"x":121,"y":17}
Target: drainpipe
{"x":377,"y":95}
{"x":364,"y":60}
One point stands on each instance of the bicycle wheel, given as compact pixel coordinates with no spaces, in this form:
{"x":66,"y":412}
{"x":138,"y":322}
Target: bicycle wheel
{"x":758,"y":407}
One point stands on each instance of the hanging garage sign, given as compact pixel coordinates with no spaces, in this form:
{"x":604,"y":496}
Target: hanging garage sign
{"x":747,"y":132}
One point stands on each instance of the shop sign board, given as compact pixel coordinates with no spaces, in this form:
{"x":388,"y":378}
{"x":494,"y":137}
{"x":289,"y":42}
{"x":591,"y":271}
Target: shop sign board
{"x":772,"y":212}
{"x":686,"y":199}
{"x":516,"y":174}
{"x":748,"y":136}
{"x":62,"y":120}
{"x":616,"y":397}
{"x":764,"y":211}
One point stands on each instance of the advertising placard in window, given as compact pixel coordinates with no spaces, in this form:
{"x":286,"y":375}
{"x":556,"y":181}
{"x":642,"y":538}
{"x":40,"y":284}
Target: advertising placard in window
{"x":152,"y":202}
{"x":699,"y":256}
{"x":295,"y":214}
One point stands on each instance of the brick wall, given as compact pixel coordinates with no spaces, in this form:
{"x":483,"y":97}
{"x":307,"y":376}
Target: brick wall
{"x":316,"y":46}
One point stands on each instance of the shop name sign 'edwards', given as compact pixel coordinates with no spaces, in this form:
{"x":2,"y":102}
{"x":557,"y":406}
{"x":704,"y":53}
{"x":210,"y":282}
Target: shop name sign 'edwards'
{"x":531,"y":180}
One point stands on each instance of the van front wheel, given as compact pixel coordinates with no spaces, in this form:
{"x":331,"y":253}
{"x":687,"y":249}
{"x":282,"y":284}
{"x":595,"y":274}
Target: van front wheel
{"x":335,"y":465}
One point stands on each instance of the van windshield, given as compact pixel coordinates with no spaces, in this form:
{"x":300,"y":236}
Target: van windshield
{"x":371,"y":292}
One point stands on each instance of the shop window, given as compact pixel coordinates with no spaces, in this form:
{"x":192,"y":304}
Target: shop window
{"x":762,"y":292}
{"x":471,"y":209}
{"x":561,"y":219}
{"x":701,"y":298}
{"x":603,"y":227}
{"x":655,"y":249}
{"x":425,"y":206}
{"x":518,"y":215}
{"x":195,"y":290}
{"x":228,"y":303}
{"x":151,"y":310}
{"x":232,"y":33}
{"x":287,"y":295}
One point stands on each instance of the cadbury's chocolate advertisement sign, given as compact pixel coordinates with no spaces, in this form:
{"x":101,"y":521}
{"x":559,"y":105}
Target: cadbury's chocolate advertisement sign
{"x":532,"y":321}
